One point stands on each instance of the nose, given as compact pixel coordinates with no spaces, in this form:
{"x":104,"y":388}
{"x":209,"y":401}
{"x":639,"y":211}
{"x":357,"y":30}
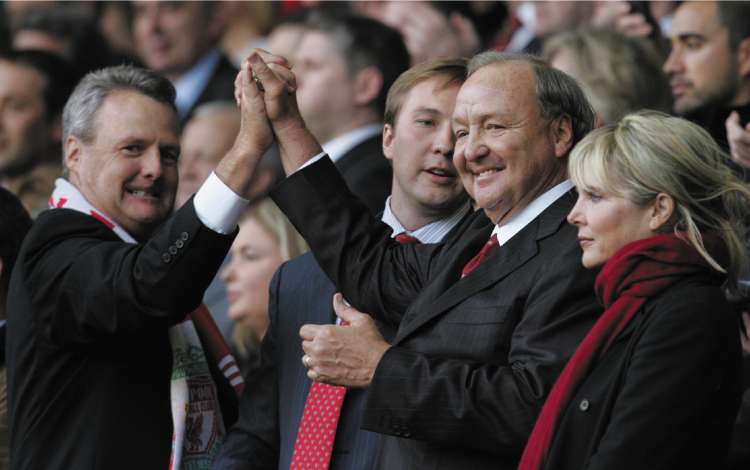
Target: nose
{"x":151,"y":164}
{"x":674,"y":63}
{"x":475,"y":148}
{"x":226,"y":273}
{"x":444,"y":141}
{"x":576,"y":214}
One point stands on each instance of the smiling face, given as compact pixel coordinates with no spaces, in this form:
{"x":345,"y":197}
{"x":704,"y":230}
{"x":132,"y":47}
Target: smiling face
{"x":129,"y":169}
{"x":606,"y":223}
{"x":255,"y":257}
{"x":420,"y":147}
{"x":702,"y":67}
{"x":506,"y":153}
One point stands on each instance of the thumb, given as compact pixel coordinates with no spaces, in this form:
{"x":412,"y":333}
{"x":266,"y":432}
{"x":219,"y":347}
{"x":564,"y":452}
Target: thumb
{"x":342,"y":308}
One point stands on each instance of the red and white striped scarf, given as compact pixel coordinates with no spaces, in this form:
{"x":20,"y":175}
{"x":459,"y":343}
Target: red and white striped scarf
{"x":196,"y":415}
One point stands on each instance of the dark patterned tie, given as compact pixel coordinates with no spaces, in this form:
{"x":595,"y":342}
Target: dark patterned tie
{"x":405,"y":239}
{"x":491,"y":245}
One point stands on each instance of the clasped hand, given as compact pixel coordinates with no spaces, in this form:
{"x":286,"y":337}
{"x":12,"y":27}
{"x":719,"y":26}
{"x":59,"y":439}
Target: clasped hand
{"x":264,"y":90}
{"x":343,"y":355}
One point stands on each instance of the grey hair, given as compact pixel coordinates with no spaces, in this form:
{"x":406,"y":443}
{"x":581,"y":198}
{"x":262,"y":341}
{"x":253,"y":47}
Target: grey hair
{"x":80,"y":110}
{"x":558,"y":94}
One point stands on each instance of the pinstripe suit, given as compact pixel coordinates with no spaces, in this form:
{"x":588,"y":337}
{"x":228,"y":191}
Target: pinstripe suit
{"x":473,"y":358}
{"x":275,"y":397}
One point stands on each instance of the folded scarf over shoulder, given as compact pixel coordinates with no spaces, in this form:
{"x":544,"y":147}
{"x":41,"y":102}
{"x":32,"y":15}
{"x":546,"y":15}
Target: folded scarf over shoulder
{"x":636,"y":273}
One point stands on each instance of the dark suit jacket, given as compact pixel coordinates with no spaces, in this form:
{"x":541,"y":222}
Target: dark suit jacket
{"x":368,"y":173}
{"x":271,"y":408}
{"x":666,"y":394}
{"x":89,"y":358}
{"x":474,"y":358}
{"x":220,"y":87}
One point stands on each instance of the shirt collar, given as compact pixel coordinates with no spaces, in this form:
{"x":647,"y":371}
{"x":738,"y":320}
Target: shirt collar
{"x":339,"y":146}
{"x":433,"y":232}
{"x":192,"y":83}
{"x":506,"y":231}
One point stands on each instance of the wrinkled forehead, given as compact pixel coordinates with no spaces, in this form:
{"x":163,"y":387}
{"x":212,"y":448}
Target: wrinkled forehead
{"x":507,"y":88}
{"x":129,"y":112}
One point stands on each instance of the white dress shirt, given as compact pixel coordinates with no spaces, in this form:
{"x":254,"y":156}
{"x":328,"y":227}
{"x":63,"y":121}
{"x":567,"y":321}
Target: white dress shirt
{"x":506,"y":231}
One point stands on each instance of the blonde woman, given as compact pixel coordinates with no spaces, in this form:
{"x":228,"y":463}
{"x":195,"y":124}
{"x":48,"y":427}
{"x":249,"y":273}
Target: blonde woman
{"x":266,"y":240}
{"x":656,"y":382}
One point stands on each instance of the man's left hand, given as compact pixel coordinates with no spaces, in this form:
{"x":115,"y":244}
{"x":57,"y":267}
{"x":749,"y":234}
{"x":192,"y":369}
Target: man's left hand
{"x":343,"y":355}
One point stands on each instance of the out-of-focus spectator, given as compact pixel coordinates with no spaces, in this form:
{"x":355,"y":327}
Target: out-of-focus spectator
{"x":206,"y":138}
{"x":709,"y":66}
{"x":114,"y":20}
{"x":69,"y":32}
{"x":15,"y":223}
{"x":266,"y":240}
{"x":248,"y":23}
{"x":430,"y":30}
{"x":34,"y":86}
{"x":619,"y":74}
{"x":286,"y":35}
{"x":345,"y":65}
{"x":179,"y":40}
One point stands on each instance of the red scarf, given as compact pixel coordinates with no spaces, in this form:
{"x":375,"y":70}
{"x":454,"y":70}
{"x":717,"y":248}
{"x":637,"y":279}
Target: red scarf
{"x":637,"y":272}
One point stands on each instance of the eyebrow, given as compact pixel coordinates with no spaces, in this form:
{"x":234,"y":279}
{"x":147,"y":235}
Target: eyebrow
{"x":686,"y":36}
{"x":425,"y":109}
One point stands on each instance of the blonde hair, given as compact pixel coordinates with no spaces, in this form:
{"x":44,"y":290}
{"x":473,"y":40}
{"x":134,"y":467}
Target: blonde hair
{"x":275,"y":223}
{"x":648,"y":153}
{"x":619,"y":74}
{"x":291,"y":244}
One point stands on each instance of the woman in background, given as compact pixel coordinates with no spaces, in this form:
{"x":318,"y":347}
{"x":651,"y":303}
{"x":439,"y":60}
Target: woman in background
{"x":266,"y":240}
{"x":656,"y":382}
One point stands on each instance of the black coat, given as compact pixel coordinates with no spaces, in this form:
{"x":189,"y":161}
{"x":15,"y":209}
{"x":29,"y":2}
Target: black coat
{"x":367,"y":173}
{"x":89,"y":358}
{"x":664,"y":396}
{"x":473,"y":358}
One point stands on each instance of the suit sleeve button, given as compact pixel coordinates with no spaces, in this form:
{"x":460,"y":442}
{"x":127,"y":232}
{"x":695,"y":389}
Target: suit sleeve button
{"x":184,"y":236}
{"x":179,"y":243}
{"x":166,"y":257}
{"x":173,"y":250}
{"x":584,"y":405}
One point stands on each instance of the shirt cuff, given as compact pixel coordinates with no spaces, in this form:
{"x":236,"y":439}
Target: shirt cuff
{"x":309,"y":162}
{"x":217,"y":206}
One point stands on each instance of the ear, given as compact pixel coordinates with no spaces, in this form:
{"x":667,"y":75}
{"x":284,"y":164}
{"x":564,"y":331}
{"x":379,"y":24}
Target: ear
{"x":388,"y":139}
{"x":743,"y":58}
{"x":562,"y":135}
{"x":661,"y":213}
{"x":367,"y":85}
{"x":72,"y":156}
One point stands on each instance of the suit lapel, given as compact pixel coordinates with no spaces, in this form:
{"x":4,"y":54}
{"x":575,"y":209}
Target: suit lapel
{"x":452,"y":290}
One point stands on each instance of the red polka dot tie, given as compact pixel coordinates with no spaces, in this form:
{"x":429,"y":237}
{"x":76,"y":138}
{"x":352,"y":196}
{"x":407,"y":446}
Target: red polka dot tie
{"x":317,"y":429}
